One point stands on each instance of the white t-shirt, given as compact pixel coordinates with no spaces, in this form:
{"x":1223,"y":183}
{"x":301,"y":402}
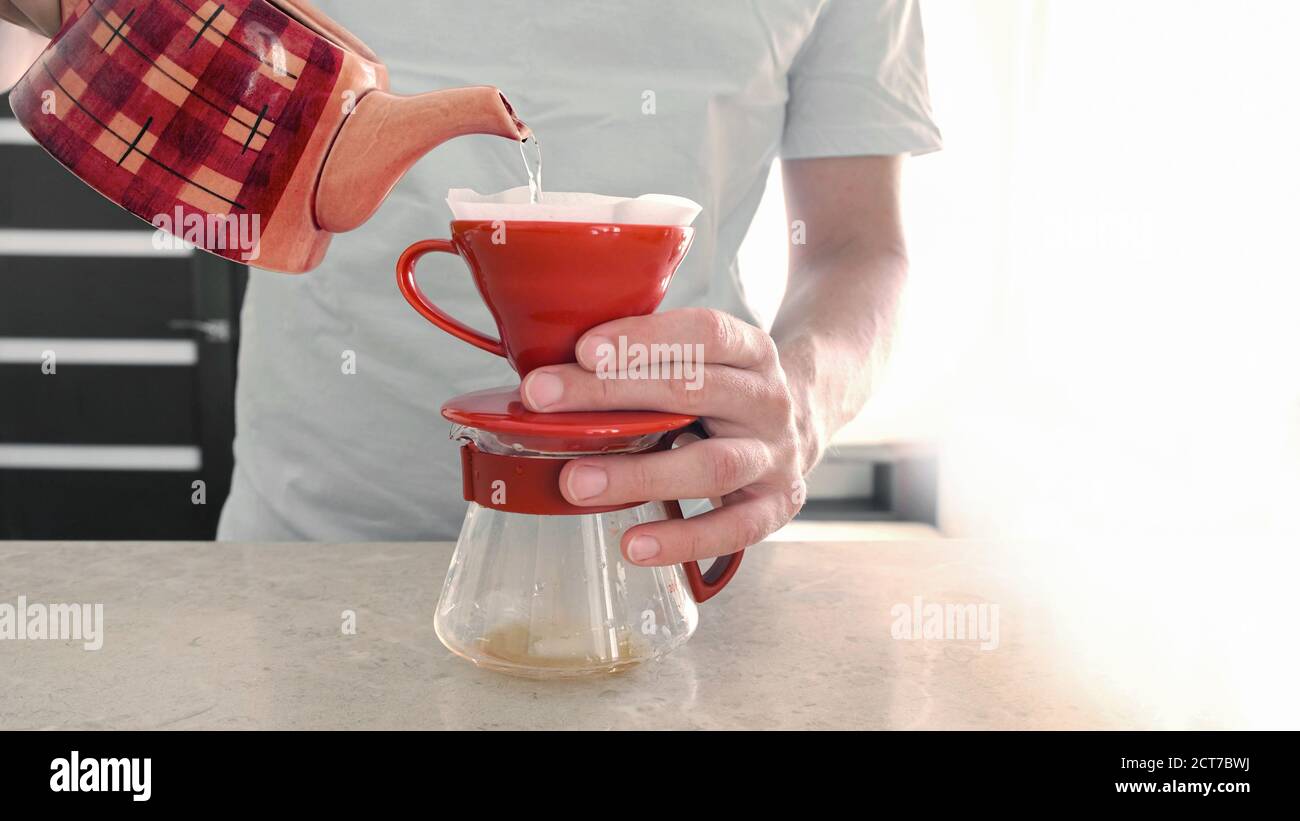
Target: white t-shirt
{"x":671,"y":96}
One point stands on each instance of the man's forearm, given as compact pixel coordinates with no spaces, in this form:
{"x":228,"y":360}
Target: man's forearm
{"x":833,"y":332}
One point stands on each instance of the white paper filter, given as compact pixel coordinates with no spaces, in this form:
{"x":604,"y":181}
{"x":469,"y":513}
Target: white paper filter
{"x":566,"y":206}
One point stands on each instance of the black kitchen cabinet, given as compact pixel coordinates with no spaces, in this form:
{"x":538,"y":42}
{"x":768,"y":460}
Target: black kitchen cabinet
{"x":139,"y":405}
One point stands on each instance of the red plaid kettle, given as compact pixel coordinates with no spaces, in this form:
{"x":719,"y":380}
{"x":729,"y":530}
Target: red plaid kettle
{"x":252,"y":129}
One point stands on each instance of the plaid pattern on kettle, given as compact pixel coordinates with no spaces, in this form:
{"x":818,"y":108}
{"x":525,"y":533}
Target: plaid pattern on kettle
{"x":195,"y":105}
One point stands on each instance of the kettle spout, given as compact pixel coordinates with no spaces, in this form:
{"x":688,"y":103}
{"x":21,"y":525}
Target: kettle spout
{"x":384,"y":136}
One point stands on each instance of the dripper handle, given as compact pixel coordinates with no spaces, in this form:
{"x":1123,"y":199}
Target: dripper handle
{"x":411,"y":290}
{"x":704,"y":584}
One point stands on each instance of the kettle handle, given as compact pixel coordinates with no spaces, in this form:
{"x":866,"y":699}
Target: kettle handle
{"x":704,"y":584}
{"x":411,"y":290}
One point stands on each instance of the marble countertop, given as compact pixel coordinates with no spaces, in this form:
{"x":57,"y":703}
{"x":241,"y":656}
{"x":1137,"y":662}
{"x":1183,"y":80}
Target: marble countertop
{"x":239,"y":636}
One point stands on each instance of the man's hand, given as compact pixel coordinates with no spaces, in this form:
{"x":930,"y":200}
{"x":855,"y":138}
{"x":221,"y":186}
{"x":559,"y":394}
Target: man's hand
{"x":751,"y":459}
{"x":769,"y":403}
{"x":40,"y":16}
{"x":33,"y":23}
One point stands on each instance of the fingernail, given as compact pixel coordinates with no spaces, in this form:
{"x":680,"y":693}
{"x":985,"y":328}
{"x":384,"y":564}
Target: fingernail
{"x":642,"y":548}
{"x":542,"y":389}
{"x":597,"y":349}
{"x":587,"y":481}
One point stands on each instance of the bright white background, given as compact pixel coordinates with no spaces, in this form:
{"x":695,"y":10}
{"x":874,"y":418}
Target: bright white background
{"x":1101,"y":335}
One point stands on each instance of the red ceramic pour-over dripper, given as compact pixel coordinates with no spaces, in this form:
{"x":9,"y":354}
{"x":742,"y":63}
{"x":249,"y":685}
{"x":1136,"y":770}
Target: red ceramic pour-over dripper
{"x":546,"y":284}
